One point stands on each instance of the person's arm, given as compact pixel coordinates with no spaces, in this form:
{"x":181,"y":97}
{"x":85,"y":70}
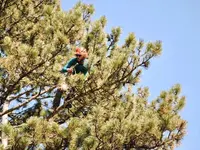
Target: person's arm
{"x":69,"y":64}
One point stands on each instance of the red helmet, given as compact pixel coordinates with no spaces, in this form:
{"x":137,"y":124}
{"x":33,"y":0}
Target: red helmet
{"x":81,"y":51}
{"x":78,"y":51}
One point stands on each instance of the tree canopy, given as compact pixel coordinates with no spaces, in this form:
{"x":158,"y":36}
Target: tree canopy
{"x":36,"y":40}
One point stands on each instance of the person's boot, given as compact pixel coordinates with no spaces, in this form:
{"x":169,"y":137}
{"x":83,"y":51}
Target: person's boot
{"x":56,"y":101}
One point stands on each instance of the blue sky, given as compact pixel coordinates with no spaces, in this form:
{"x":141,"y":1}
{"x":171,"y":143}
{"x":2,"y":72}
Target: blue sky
{"x":177,"y":24}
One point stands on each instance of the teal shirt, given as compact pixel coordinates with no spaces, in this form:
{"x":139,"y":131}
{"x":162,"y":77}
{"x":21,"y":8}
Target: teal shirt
{"x":79,"y":67}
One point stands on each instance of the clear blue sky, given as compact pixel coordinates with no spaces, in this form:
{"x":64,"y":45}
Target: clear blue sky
{"x":177,"y":24}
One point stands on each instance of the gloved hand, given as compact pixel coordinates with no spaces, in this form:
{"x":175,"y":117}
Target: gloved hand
{"x":69,"y":70}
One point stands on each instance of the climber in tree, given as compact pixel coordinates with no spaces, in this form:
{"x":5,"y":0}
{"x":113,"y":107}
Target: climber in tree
{"x":76,"y":65}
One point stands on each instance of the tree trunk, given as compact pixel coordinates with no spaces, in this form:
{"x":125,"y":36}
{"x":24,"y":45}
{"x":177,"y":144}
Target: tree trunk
{"x":5,"y":121}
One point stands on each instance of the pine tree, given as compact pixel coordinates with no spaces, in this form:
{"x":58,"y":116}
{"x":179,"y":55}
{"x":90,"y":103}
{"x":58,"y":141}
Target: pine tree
{"x":36,"y":39}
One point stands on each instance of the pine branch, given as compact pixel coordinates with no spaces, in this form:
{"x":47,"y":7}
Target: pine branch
{"x":19,"y":95}
{"x":11,"y":88}
{"x":5,"y":4}
{"x":131,"y":71}
{"x":26,"y":102}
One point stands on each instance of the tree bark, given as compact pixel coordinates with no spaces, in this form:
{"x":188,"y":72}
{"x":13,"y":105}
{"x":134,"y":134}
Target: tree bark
{"x":4,"y":122}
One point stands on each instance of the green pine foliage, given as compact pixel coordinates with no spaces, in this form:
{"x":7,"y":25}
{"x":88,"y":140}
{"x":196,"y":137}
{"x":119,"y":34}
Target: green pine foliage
{"x":36,"y":40}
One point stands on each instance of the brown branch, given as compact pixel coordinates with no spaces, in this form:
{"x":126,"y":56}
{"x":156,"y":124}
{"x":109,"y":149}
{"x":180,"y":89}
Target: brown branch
{"x":15,"y":97}
{"x":26,"y":102}
{"x":96,"y":133}
{"x":39,"y":4}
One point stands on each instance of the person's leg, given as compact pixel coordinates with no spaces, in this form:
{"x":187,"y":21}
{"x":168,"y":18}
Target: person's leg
{"x":59,"y":93}
{"x":68,"y":97}
{"x":56,"y":101}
